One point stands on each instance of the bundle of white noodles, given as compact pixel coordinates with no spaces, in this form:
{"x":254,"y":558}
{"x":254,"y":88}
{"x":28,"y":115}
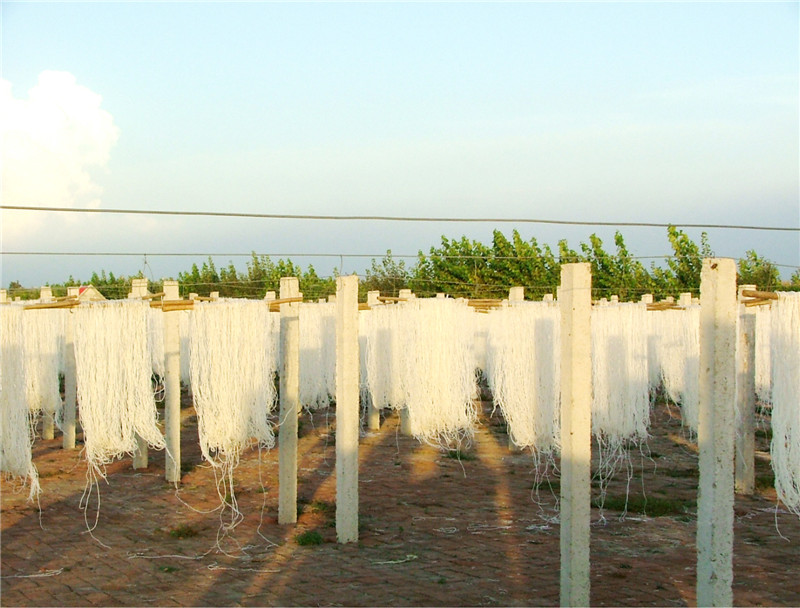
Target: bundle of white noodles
{"x":480,"y":341}
{"x":114,"y":371}
{"x":317,"y":354}
{"x":785,"y":448}
{"x":523,"y":371}
{"x":44,"y":332}
{"x":15,"y":416}
{"x":621,"y":402}
{"x":186,"y":366}
{"x":155,"y":340}
{"x":382,"y":352}
{"x":679,"y":356}
{"x":438,"y":369}
{"x":653,"y":337}
{"x":763,"y":366}
{"x":233,"y":362}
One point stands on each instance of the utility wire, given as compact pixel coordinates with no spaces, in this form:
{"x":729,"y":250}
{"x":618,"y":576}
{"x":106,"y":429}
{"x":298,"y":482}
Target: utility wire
{"x":387,"y":218}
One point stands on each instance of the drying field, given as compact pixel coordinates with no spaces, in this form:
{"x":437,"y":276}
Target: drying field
{"x":435,"y":529}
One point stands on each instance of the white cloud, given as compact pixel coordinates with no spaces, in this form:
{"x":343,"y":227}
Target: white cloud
{"x":51,"y":143}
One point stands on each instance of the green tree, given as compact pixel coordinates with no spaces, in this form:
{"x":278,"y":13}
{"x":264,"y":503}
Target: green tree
{"x":388,"y":277}
{"x":758,"y":271}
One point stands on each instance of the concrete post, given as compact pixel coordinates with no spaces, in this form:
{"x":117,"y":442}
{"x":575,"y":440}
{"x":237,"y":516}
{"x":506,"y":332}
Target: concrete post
{"x":289,"y":402}
{"x":516,"y":294}
{"x":715,"y":432}
{"x":347,"y":412}
{"x":139,"y":290}
{"x":3,"y":296}
{"x":647,"y":298}
{"x":548,"y":297}
{"x":172,"y":386}
{"x":685,"y":300}
{"x":744,"y":478}
{"x":70,"y":386}
{"x":406,"y":293}
{"x":270,"y":295}
{"x":46,"y":294}
{"x":614,"y":299}
{"x":372,"y":298}
{"x":575,"y":299}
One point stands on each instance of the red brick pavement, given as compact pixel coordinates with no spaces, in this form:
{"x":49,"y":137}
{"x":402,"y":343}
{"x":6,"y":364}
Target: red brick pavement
{"x":434,"y":531}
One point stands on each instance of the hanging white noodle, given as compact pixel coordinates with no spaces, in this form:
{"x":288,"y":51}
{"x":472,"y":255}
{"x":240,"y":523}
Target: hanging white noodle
{"x":317,"y":354}
{"x":522,"y":369}
{"x":382,"y":354}
{"x":114,"y":376}
{"x":763,"y":372}
{"x":621,"y":401}
{"x":155,"y":340}
{"x":785,"y":448}
{"x":44,"y":332}
{"x":15,"y":416}
{"x":233,"y":363}
{"x":679,"y":356}
{"x":438,"y":370}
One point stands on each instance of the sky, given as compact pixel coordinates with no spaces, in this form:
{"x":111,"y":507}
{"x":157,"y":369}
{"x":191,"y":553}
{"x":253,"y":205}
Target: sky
{"x":684,"y":112}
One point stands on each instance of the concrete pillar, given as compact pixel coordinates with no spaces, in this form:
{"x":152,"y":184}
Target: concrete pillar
{"x":214,"y":295}
{"x":70,"y":386}
{"x":516,"y":294}
{"x":269,"y":296}
{"x":575,"y":299}
{"x":441,"y":295}
{"x":46,"y":294}
{"x":614,"y":299}
{"x":647,"y":298}
{"x":744,"y":477}
{"x":73,"y":292}
{"x":406,"y":293}
{"x":138,"y":291}
{"x":289,"y":402}
{"x":172,"y":385}
{"x":347,"y":411}
{"x":372,"y":298}
{"x":715,"y":434}
{"x":548,"y":297}
{"x":405,"y":416}
{"x":685,"y":299}
{"x":3,"y":296}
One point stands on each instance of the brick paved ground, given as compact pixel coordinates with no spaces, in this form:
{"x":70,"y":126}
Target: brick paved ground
{"x":433,"y":530}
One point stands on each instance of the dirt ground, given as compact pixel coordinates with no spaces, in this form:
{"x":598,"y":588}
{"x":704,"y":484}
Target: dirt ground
{"x":435,"y":529}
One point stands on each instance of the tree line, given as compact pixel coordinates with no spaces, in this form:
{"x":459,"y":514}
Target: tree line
{"x":468,"y":268}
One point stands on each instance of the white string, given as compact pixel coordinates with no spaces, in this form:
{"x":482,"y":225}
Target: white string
{"x":317,"y":354}
{"x":522,"y":370}
{"x":438,"y":369}
{"x":763,"y":366}
{"x":785,"y":447}
{"x":15,"y":416}
{"x":43,"y":333}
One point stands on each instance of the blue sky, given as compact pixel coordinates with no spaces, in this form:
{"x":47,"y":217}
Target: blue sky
{"x":655,"y":112}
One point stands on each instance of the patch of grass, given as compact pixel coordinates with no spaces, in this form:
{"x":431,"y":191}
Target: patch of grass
{"x":653,"y":506}
{"x":323,"y":506}
{"x":459,"y":455}
{"x":765,"y":433}
{"x":441,"y":580}
{"x":168,"y":569}
{"x":311,"y":537}
{"x":765,"y":481}
{"x":183,"y":531}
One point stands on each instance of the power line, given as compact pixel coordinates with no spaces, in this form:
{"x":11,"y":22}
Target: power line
{"x":387,"y":218}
